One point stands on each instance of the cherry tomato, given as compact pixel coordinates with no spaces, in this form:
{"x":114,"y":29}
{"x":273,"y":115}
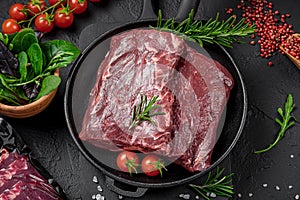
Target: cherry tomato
{"x":36,"y":6}
{"x":127,"y":161}
{"x":78,"y":6}
{"x":63,"y":17}
{"x":44,"y":23}
{"x":10,"y":26}
{"x":152,"y":165}
{"x":94,"y":1}
{"x":52,"y":2}
{"x":18,"y":12}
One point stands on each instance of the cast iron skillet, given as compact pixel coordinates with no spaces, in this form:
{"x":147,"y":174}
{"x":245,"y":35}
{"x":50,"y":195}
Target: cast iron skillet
{"x":82,"y":79}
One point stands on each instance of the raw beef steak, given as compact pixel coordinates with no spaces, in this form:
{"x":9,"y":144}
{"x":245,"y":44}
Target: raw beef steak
{"x":192,"y":89}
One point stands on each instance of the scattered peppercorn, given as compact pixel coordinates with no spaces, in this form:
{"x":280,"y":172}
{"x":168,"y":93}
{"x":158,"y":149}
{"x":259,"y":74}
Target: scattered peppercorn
{"x":271,"y":28}
{"x":270,"y":64}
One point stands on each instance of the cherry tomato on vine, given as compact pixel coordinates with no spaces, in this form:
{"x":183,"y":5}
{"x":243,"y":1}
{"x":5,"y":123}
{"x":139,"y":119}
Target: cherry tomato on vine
{"x":152,"y":165}
{"x":127,"y":161}
{"x":44,"y":23}
{"x":36,"y":6}
{"x":78,"y":6}
{"x":63,"y":17}
{"x":18,"y":12}
{"x":10,"y":26}
{"x":52,"y":2}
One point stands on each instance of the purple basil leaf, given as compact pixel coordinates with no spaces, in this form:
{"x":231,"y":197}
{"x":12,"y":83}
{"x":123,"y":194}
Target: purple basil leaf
{"x":8,"y":62}
{"x":31,"y":90}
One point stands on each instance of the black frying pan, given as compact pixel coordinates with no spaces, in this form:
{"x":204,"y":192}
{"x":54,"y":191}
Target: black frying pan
{"x":83,"y":77}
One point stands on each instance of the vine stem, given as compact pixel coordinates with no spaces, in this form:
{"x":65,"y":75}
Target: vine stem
{"x":29,"y":21}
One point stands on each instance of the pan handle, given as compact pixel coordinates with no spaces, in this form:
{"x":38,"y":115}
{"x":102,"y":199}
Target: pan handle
{"x":110,"y":183}
{"x":184,"y":9}
{"x":147,"y":12}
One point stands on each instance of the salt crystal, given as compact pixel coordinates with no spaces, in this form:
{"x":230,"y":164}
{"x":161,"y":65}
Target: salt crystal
{"x":93,"y":196}
{"x":290,"y":187}
{"x":213,"y":195}
{"x":197,"y":197}
{"x":265,"y":185}
{"x":95,"y":179}
{"x":98,"y":197}
{"x":99,"y":188}
{"x":297,"y":196}
{"x":291,"y":156}
{"x":250,"y":194}
{"x":120,"y":197}
{"x":277,"y":187}
{"x":239,"y":195}
{"x":186,"y":196}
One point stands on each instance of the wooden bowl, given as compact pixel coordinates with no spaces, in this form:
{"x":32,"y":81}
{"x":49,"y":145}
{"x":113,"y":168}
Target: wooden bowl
{"x":292,"y":58}
{"x":30,"y":109}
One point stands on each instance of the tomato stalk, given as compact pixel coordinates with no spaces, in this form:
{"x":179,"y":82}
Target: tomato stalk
{"x":159,"y":165}
{"x":131,"y":165}
{"x":29,"y":21}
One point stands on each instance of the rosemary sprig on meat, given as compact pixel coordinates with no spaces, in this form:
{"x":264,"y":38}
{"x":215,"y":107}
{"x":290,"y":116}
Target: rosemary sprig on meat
{"x":144,"y":111}
{"x":215,"y":185}
{"x":224,"y":33}
{"x":287,"y":121}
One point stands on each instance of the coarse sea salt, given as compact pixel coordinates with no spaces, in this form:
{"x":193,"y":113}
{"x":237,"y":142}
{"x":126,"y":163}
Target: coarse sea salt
{"x":185,"y":196}
{"x":239,"y":195}
{"x":250,"y":194}
{"x":277,"y":187}
{"x":290,"y":187}
{"x":95,"y":179}
{"x":265,"y":185}
{"x":99,"y":188}
{"x":297,"y":196}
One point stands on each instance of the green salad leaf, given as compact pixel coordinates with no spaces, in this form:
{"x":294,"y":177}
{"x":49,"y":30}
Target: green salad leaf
{"x":36,"y":61}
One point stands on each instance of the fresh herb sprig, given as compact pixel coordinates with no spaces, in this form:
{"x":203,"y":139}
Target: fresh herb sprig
{"x":224,"y":33}
{"x":287,"y":121}
{"x":220,"y":186}
{"x":143,"y":111}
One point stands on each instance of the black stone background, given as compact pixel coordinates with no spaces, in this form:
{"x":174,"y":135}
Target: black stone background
{"x":267,"y":88}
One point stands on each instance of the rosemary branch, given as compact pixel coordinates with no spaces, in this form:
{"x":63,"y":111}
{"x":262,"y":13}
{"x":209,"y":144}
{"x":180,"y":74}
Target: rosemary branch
{"x":144,"y":111}
{"x":220,"y":186}
{"x":287,"y":121}
{"x":224,"y":33}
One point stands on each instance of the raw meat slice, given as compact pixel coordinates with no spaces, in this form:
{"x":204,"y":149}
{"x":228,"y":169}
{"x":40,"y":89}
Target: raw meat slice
{"x":19,"y":180}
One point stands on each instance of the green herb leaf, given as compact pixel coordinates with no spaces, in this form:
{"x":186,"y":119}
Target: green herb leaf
{"x":17,"y":39}
{"x":23,"y":60}
{"x":220,"y":186}
{"x":142,"y":112}
{"x":59,"y":53}
{"x":287,"y":121}
{"x":49,"y":84}
{"x":35,"y":55}
{"x":224,"y":33}
{"x":4,"y":39}
{"x":28,"y":40}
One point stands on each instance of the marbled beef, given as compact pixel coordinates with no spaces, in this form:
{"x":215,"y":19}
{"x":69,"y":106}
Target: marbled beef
{"x":193,"y":90}
{"x":19,"y":180}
